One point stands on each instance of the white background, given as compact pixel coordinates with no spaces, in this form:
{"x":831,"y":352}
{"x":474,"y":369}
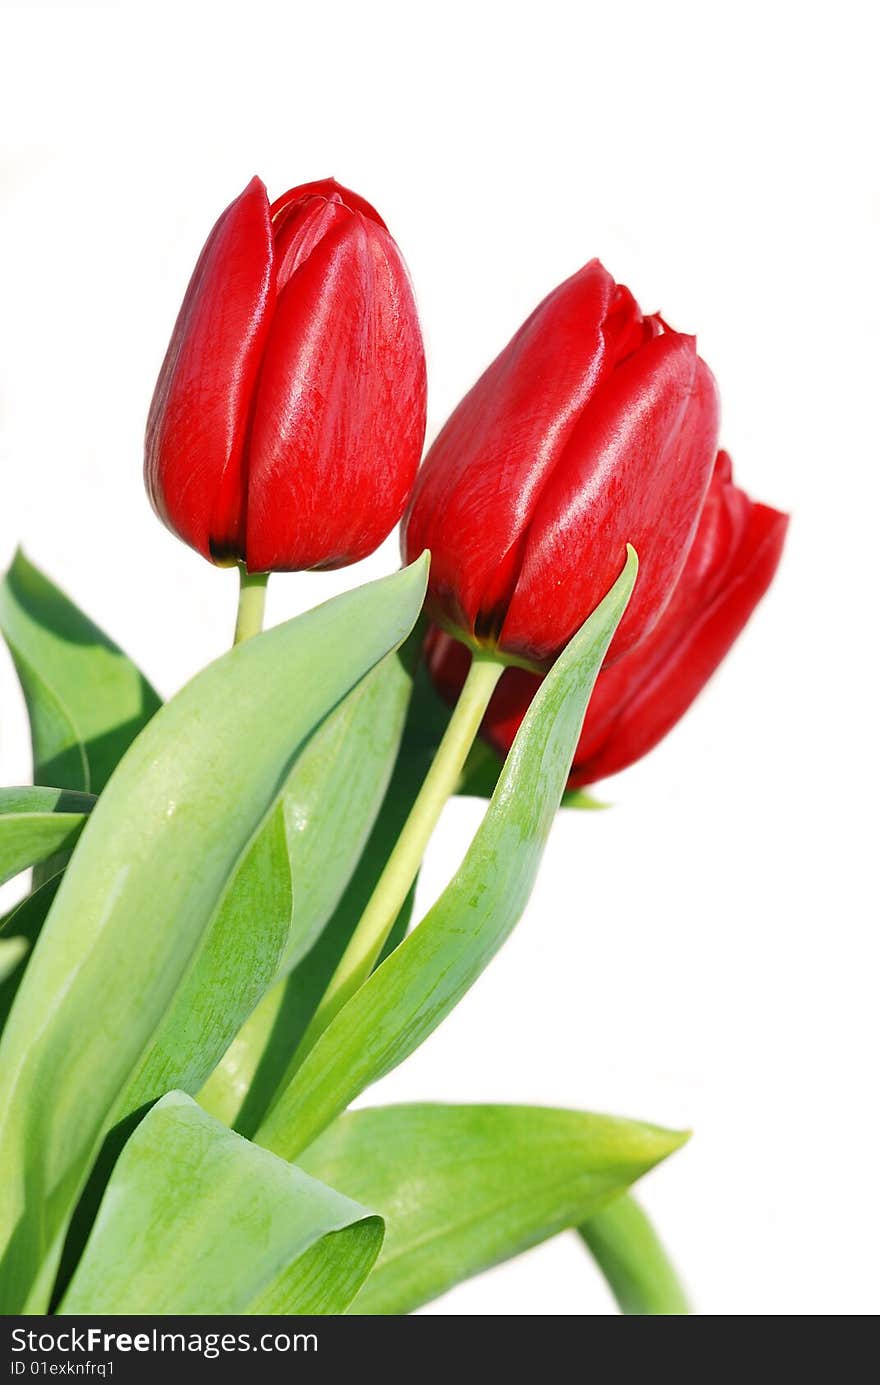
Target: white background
{"x":705,"y":954}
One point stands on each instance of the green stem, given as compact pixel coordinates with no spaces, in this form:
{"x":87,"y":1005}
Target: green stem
{"x":251,"y":603}
{"x":403,"y":864}
{"x":631,"y":1256}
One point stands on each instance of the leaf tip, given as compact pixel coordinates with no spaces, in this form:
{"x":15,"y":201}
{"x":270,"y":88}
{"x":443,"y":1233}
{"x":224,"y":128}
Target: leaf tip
{"x":419,"y":568}
{"x":675,"y":1140}
{"x":584,"y":802}
{"x":422,"y":563}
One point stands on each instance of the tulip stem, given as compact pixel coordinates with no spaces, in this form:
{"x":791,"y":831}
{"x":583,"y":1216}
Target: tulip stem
{"x":251,"y":603}
{"x":403,"y":864}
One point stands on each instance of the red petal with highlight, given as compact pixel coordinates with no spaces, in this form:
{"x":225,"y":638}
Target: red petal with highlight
{"x":340,"y":412}
{"x":635,"y":470}
{"x":199,"y":417}
{"x":477,"y":492}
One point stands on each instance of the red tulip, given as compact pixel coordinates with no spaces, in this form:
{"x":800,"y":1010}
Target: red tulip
{"x":595,"y":427}
{"x":640,"y":697}
{"x":289,"y":414}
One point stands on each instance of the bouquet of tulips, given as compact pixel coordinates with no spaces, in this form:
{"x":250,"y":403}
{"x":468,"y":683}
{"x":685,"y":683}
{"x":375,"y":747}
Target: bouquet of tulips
{"x":219,"y":951}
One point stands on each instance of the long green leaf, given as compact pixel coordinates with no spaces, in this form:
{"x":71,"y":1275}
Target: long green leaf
{"x":37,"y":823}
{"x":631,"y":1256}
{"x":86,"y":700}
{"x":254,"y":918}
{"x":167,"y":836}
{"x":242,"y":1086}
{"x":331,"y":800}
{"x":423,"y":979}
{"x":197,"y":1220}
{"x":465,"y":1187}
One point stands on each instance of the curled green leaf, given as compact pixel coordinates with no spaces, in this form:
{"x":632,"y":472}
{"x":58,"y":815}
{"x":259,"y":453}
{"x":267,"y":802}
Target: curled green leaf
{"x":196,"y":1220}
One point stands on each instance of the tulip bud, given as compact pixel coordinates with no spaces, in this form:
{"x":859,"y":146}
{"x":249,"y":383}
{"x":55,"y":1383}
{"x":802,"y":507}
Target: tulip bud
{"x":595,"y":427}
{"x":639,"y":698}
{"x":289,"y":414}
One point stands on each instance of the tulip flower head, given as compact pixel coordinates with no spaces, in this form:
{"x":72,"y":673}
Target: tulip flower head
{"x":289,"y":415}
{"x":638,"y":699}
{"x":595,"y":427}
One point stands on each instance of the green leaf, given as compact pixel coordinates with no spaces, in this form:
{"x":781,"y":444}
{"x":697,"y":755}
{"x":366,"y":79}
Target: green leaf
{"x":243,"y":1084}
{"x":481,"y":775}
{"x":226,"y":1092}
{"x":582,"y":799}
{"x":425,"y":977}
{"x":631,"y":1256}
{"x":336,"y":790}
{"x":238,"y":958}
{"x":36,"y":823}
{"x":462,"y":1188}
{"x":12,"y":951}
{"x":129,"y":937}
{"x":86,"y":700}
{"x":197,"y":1220}
{"x":22,"y":926}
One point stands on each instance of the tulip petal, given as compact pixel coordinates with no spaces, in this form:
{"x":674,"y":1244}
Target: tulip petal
{"x":200,"y":412}
{"x":480,"y":482}
{"x":340,"y":413}
{"x":635,"y":469}
{"x":638,"y":701}
{"x":329,"y":189}
{"x":640,"y":697}
{"x":300,"y":230}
